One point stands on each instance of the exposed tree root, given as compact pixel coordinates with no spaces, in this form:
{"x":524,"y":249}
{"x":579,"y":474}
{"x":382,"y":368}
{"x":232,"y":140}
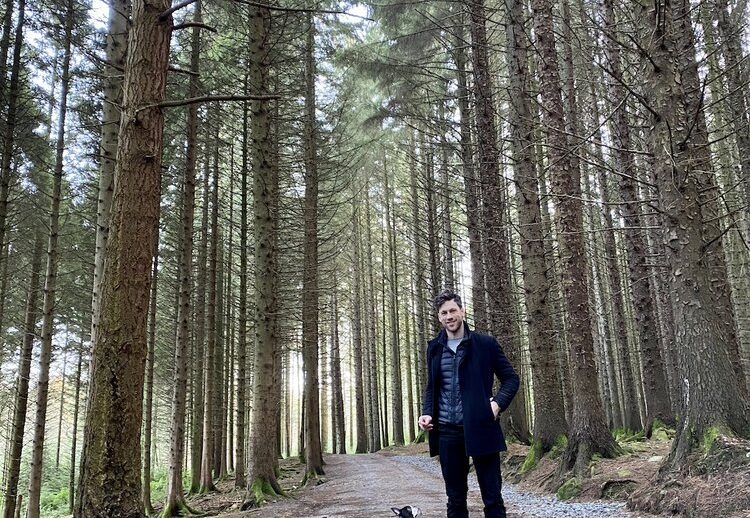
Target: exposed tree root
{"x":259,"y":491}
{"x":179,"y":508}
{"x":714,"y":457}
{"x":313,"y":477}
{"x":539,"y":449}
{"x":577,"y":458}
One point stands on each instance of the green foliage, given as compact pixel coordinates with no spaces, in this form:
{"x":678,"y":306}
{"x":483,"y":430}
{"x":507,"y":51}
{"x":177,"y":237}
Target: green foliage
{"x":570,"y":489}
{"x":55,"y":494}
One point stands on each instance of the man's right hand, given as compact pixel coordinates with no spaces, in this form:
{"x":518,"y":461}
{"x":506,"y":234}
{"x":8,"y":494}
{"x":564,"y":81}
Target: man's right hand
{"x":425,"y":422}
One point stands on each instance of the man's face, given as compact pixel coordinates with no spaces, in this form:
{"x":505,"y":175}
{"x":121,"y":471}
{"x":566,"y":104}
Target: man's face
{"x":451,"y":316}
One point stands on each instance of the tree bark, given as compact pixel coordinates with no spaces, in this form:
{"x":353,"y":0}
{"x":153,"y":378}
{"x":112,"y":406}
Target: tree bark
{"x":712,"y":398}
{"x":50,"y":281}
{"x":500,"y":310}
{"x":175,"y":501}
{"x":397,"y":398}
{"x":361,"y":437}
{"x":310,"y":295}
{"x":240,"y":481}
{"x":74,"y":441}
{"x":22,"y":381}
{"x":115,"y":51}
{"x":588,"y":433}
{"x":337,"y":422}
{"x":261,"y":476}
{"x":549,"y":410}
{"x":657,"y":395}
{"x":8,"y":127}
{"x":148,"y":400}
{"x":110,"y":484}
{"x":472,"y":187}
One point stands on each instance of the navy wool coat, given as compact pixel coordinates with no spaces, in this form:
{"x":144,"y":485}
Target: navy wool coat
{"x":483,"y":360}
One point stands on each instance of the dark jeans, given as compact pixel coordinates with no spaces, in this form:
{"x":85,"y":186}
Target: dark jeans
{"x":455,"y":466}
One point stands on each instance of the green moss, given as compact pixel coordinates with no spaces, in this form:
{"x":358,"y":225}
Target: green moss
{"x":533,"y":457}
{"x":709,"y":438}
{"x":624,"y":436}
{"x":559,"y":447}
{"x":571,"y":488}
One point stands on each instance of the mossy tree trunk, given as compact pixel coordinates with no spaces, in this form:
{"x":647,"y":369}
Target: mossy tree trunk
{"x":115,"y":50}
{"x":712,"y":401}
{"x":262,"y":455}
{"x":110,"y":482}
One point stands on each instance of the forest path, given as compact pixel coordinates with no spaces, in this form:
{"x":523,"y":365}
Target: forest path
{"x":368,"y":485}
{"x":365,"y":486}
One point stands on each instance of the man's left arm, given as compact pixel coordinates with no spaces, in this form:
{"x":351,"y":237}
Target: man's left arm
{"x":509,"y":380}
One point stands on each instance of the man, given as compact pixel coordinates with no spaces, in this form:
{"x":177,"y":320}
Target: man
{"x":460,"y":411}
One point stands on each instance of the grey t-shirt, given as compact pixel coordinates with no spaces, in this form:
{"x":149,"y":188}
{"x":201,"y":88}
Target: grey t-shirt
{"x":453,"y":343}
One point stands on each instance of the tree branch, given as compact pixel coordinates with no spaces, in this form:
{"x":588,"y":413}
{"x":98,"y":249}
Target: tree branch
{"x":185,"y":25}
{"x":163,"y":16}
{"x":183,"y":71}
{"x":300,"y":10}
{"x":209,"y":98}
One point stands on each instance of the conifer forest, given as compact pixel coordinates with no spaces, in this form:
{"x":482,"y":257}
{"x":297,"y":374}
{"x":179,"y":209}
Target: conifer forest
{"x":223,"y":222}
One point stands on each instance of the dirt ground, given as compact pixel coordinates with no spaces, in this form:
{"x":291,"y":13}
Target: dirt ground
{"x":368,"y":485}
{"x":363,"y":486}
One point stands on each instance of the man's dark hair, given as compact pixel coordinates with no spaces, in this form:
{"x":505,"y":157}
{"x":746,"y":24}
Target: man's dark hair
{"x":445,"y":296}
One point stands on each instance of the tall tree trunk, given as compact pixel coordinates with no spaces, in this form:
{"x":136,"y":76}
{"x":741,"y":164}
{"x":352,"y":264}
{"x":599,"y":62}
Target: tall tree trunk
{"x":110,"y":483}
{"x":712,"y":398}
{"x":219,"y":420}
{"x":22,"y":382}
{"x":310,"y":296}
{"x":50,"y":281}
{"x":239,"y":452}
{"x":432,"y":232}
{"x":361,"y":437}
{"x":115,"y":51}
{"x":199,"y":341}
{"x":337,"y":422}
{"x":657,"y":395}
{"x":419,"y":296}
{"x":74,"y":441}
{"x":589,"y":433}
{"x":372,"y":348}
{"x":8,"y":127}
{"x":472,"y":187}
{"x":493,"y":206}
{"x":148,"y":400}
{"x":62,"y":405}
{"x":450,"y":276}
{"x":261,"y":477}
{"x":175,"y":501}
{"x":397,"y":399}
{"x":549,"y":410}
{"x":210,"y":401}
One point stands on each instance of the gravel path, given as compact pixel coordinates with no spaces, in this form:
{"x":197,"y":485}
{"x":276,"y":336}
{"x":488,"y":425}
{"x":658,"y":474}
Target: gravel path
{"x":368,"y":485}
{"x":530,"y":505}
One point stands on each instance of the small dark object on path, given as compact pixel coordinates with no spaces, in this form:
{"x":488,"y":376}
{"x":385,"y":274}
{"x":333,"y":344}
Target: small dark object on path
{"x":407,"y":512}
